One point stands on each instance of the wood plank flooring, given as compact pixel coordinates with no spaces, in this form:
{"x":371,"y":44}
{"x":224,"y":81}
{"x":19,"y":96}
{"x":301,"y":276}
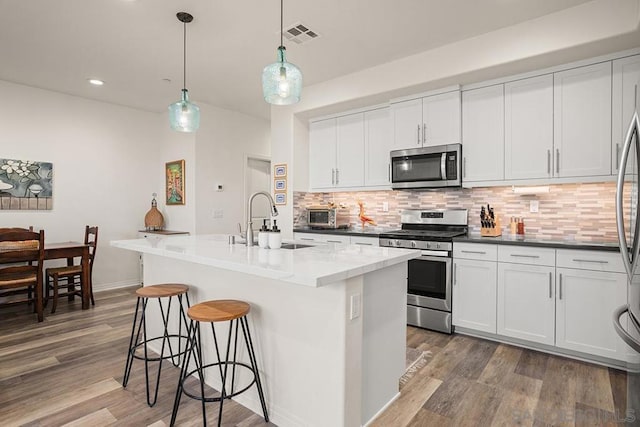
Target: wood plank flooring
{"x":474,"y":382}
{"x":68,"y":371}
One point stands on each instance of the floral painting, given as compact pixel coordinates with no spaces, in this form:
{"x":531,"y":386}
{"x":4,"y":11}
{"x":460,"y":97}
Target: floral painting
{"x":25,"y":185}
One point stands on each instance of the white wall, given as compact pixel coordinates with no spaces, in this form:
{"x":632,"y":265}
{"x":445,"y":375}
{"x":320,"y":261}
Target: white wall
{"x":584,"y":31}
{"x":103,"y":156}
{"x":222,"y":143}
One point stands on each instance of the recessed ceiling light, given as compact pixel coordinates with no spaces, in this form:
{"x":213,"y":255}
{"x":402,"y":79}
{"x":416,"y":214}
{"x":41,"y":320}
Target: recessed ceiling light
{"x":96,"y":82}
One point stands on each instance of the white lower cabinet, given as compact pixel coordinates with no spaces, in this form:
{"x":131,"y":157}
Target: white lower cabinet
{"x":474,"y":294}
{"x":335,"y":238}
{"x":585,"y":302}
{"x":526,"y":302}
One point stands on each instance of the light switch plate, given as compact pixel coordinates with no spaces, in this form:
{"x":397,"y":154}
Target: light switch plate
{"x":385,"y":206}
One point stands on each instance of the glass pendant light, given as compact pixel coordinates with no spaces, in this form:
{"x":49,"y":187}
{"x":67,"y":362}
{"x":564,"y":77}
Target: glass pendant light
{"x":184,"y":116}
{"x":282,"y":80}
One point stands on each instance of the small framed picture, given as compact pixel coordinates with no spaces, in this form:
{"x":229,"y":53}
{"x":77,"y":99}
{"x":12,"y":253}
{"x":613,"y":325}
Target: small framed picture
{"x":281,"y":198}
{"x":280,"y":171}
{"x":280,"y":184}
{"x":174,"y":179}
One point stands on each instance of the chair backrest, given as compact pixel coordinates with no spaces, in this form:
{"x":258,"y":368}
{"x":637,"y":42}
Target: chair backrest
{"x":19,"y":245}
{"x":91,"y":239}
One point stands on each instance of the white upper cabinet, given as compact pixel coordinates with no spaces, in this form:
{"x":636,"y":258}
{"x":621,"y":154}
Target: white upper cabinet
{"x":322,"y":153}
{"x":483,"y":134}
{"x":378,"y":138}
{"x":528,"y":128}
{"x":441,"y":114}
{"x":582,"y":121}
{"x":626,"y":100}
{"x":350,"y":151}
{"x":428,"y":121}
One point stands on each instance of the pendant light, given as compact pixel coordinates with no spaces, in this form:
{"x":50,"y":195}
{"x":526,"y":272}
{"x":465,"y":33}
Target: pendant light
{"x":184,"y":116}
{"x":282,"y":80}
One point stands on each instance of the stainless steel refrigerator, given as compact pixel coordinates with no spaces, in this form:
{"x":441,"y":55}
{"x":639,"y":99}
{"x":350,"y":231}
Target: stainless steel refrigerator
{"x":626,"y":319}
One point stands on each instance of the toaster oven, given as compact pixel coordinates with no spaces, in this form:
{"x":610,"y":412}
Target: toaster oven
{"x":326,"y":217}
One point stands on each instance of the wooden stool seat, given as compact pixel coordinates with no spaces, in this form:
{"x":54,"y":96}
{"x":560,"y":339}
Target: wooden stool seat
{"x":72,"y":269}
{"x":218,"y":310}
{"x":162,"y":291}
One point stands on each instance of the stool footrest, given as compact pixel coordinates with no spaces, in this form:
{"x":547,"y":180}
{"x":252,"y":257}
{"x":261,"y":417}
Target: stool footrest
{"x":227,"y":396}
{"x":141,"y":344}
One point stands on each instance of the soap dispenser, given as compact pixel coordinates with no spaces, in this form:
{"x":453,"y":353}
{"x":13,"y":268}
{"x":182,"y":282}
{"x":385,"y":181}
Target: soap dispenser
{"x":275,"y":238}
{"x":263,"y":235}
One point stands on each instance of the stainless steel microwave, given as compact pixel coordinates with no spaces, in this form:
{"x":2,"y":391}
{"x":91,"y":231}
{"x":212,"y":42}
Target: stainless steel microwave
{"x":427,"y":167}
{"x":326,"y":217}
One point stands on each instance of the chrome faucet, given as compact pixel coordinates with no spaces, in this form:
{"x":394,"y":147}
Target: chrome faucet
{"x":274,"y":212}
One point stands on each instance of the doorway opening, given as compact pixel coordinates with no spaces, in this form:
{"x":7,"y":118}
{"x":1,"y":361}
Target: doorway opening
{"x":257,"y":177}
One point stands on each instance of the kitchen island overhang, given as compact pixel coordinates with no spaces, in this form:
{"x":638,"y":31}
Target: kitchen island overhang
{"x":329,"y":322}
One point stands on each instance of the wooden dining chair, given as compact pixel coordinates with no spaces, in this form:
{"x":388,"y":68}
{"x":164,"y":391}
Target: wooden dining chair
{"x":30,"y":228}
{"x":21,"y":262}
{"x":71,"y":275}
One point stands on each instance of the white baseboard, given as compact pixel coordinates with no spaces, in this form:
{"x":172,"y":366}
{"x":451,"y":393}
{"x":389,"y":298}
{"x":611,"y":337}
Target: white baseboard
{"x":116,"y":285}
{"x":384,"y":408}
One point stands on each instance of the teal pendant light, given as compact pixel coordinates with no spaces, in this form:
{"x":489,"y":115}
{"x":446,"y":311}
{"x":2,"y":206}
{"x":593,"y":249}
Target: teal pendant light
{"x":184,"y":116}
{"x":282,"y":80}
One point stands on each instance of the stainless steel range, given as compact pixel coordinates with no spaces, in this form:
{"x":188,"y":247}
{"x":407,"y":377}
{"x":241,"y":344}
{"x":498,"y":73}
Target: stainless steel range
{"x":429,"y":277}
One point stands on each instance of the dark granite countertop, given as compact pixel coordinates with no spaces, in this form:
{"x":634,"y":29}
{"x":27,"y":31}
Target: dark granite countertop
{"x":354,"y":231}
{"x":532,"y":240}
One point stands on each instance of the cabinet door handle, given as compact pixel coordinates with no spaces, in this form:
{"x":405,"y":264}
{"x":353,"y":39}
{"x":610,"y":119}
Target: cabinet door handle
{"x":337,"y":176}
{"x":525,"y":256}
{"x":560,"y":295}
{"x":548,"y":162}
{"x":333,"y":177}
{"x":418,"y":137}
{"x":557,"y":160}
{"x":307,"y":238}
{"x":455,"y":275}
{"x":617,"y":156}
{"x":473,"y":252}
{"x":550,"y":286}
{"x":464,"y":167}
{"x":364,"y":244}
{"x":424,"y":133}
{"x":334,"y":241}
{"x":594,"y":261}
{"x":389,"y":172}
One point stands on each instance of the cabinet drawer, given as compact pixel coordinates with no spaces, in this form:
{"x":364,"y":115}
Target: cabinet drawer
{"x":590,"y":260}
{"x":527,"y":255}
{"x":308,"y":237}
{"x":365,"y":241}
{"x":479,"y":251}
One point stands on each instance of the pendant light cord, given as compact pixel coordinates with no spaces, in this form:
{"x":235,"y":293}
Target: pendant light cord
{"x":281,"y":24}
{"x":184,"y":56}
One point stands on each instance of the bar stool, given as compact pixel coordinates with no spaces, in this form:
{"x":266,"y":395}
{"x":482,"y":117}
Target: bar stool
{"x":169,"y":290}
{"x":211,"y":312}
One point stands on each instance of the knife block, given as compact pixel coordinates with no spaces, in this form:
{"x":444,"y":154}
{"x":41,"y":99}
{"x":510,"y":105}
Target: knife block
{"x":492,"y":231}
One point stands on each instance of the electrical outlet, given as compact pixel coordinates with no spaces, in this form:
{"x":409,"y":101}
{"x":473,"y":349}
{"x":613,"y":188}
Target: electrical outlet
{"x":385,"y":206}
{"x":218,"y":213}
{"x":355,"y":307}
{"x":534,"y":206}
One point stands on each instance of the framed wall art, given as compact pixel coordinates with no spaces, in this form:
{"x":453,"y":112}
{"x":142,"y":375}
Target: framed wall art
{"x":281,"y":198}
{"x":26,"y":185}
{"x":280,"y":184}
{"x":280,"y":171}
{"x":174,"y":180}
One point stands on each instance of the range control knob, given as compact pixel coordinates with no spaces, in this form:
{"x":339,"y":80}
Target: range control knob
{"x":428,"y":245}
{"x":397,"y":243}
{"x":437,"y":245}
{"x":413,"y":244}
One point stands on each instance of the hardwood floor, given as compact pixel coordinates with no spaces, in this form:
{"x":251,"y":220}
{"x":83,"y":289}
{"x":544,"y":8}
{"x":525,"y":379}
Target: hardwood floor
{"x":473,"y":382}
{"x":68,"y":371}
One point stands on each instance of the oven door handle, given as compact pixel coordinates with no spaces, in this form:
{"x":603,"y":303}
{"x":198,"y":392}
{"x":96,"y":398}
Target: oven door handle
{"x":444,"y":259}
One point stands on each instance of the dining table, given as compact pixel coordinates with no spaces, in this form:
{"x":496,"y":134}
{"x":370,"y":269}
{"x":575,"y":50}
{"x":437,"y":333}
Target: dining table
{"x":71,"y":250}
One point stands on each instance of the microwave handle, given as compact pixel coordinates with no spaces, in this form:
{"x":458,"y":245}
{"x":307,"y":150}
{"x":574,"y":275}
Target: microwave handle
{"x":443,"y":166}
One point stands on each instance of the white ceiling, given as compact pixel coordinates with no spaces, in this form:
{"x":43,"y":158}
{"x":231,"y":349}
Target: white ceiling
{"x":134,"y":44}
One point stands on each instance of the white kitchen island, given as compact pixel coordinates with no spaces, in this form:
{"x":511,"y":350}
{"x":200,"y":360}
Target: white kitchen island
{"x":328,"y":322}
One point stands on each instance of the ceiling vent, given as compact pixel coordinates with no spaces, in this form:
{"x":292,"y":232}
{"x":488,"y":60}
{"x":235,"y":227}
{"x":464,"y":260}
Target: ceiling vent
{"x":300,"y":33}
